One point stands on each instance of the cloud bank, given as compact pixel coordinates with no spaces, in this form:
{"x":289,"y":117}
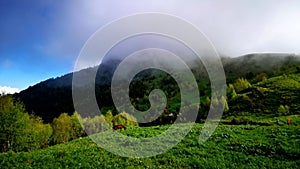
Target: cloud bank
{"x":235,"y":27}
{"x":8,"y":90}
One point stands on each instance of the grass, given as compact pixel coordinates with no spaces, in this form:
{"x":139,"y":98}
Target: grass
{"x":266,"y":120}
{"x":231,"y":146}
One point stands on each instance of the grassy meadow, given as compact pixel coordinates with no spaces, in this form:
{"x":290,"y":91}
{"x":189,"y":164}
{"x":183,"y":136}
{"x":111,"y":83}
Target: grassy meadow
{"x":230,"y":146}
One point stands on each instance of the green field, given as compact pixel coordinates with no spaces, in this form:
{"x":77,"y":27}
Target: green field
{"x":231,"y":146}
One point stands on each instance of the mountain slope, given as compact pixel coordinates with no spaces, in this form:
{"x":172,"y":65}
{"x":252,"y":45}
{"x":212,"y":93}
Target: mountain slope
{"x":50,"y":98}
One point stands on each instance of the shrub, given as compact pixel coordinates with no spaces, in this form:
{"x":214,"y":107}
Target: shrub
{"x":283,"y":110}
{"x":260,"y":77}
{"x":94,"y":125}
{"x":125,"y":119}
{"x":231,"y":91}
{"x":109,"y":117}
{"x":241,"y":120}
{"x":226,"y":107}
{"x":241,"y":84}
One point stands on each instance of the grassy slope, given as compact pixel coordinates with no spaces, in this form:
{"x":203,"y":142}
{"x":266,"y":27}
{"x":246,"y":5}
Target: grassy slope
{"x":281,"y":89}
{"x":229,"y":147}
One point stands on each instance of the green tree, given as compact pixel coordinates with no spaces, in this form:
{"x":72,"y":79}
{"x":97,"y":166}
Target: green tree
{"x":260,"y":77}
{"x":231,"y":91}
{"x":241,"y":84}
{"x":36,"y":135}
{"x":41,"y":133}
{"x":62,"y":128}
{"x":13,"y":121}
{"x":206,"y":102}
{"x":77,"y":129}
{"x":109,"y":117}
{"x":226,"y":107}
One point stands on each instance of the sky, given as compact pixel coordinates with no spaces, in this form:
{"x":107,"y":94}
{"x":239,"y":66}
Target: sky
{"x":41,"y":39}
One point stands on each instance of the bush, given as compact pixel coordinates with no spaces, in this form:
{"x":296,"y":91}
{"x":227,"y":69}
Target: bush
{"x":260,"y":77}
{"x":231,"y":91}
{"x":226,"y":107}
{"x":283,"y":110}
{"x":241,"y":120}
{"x":109,"y":118}
{"x":125,"y":119}
{"x":241,"y":84}
{"x":94,"y":125}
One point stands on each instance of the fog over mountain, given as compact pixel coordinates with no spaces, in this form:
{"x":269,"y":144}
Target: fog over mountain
{"x":51,"y":97}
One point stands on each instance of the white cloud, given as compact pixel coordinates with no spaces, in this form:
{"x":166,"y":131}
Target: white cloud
{"x":235,"y":27}
{"x":8,"y":90}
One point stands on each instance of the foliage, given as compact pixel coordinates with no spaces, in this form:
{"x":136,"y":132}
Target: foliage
{"x":77,"y":130}
{"x":226,"y":107}
{"x":231,"y":146}
{"x":62,"y":128}
{"x":231,"y":94}
{"x":42,"y":98}
{"x":283,"y":110}
{"x":19,"y":131}
{"x":13,"y":122}
{"x":94,"y":125}
{"x":241,"y":84}
{"x":35,"y":136}
{"x":260,"y":77}
{"x":109,"y":117}
{"x":40,"y":133}
{"x":125,"y":119}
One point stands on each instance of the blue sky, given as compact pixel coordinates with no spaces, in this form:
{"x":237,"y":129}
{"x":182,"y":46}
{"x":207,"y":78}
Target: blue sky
{"x":40,"y":39}
{"x":25,"y":31}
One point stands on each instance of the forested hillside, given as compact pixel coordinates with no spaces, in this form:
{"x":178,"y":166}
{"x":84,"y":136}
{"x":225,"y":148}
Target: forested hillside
{"x":257,"y":83}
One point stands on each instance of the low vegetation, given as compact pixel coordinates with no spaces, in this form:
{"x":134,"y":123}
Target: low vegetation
{"x":231,"y":146}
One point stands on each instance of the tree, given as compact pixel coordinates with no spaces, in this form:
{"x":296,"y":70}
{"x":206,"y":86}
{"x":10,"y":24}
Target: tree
{"x":62,"y":128}
{"x":35,"y":136}
{"x":109,"y":117}
{"x":231,"y":92}
{"x":207,"y":102}
{"x":13,"y":121}
{"x":241,"y":84}
{"x":77,"y":129}
{"x":41,"y":133}
{"x":226,"y":107}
